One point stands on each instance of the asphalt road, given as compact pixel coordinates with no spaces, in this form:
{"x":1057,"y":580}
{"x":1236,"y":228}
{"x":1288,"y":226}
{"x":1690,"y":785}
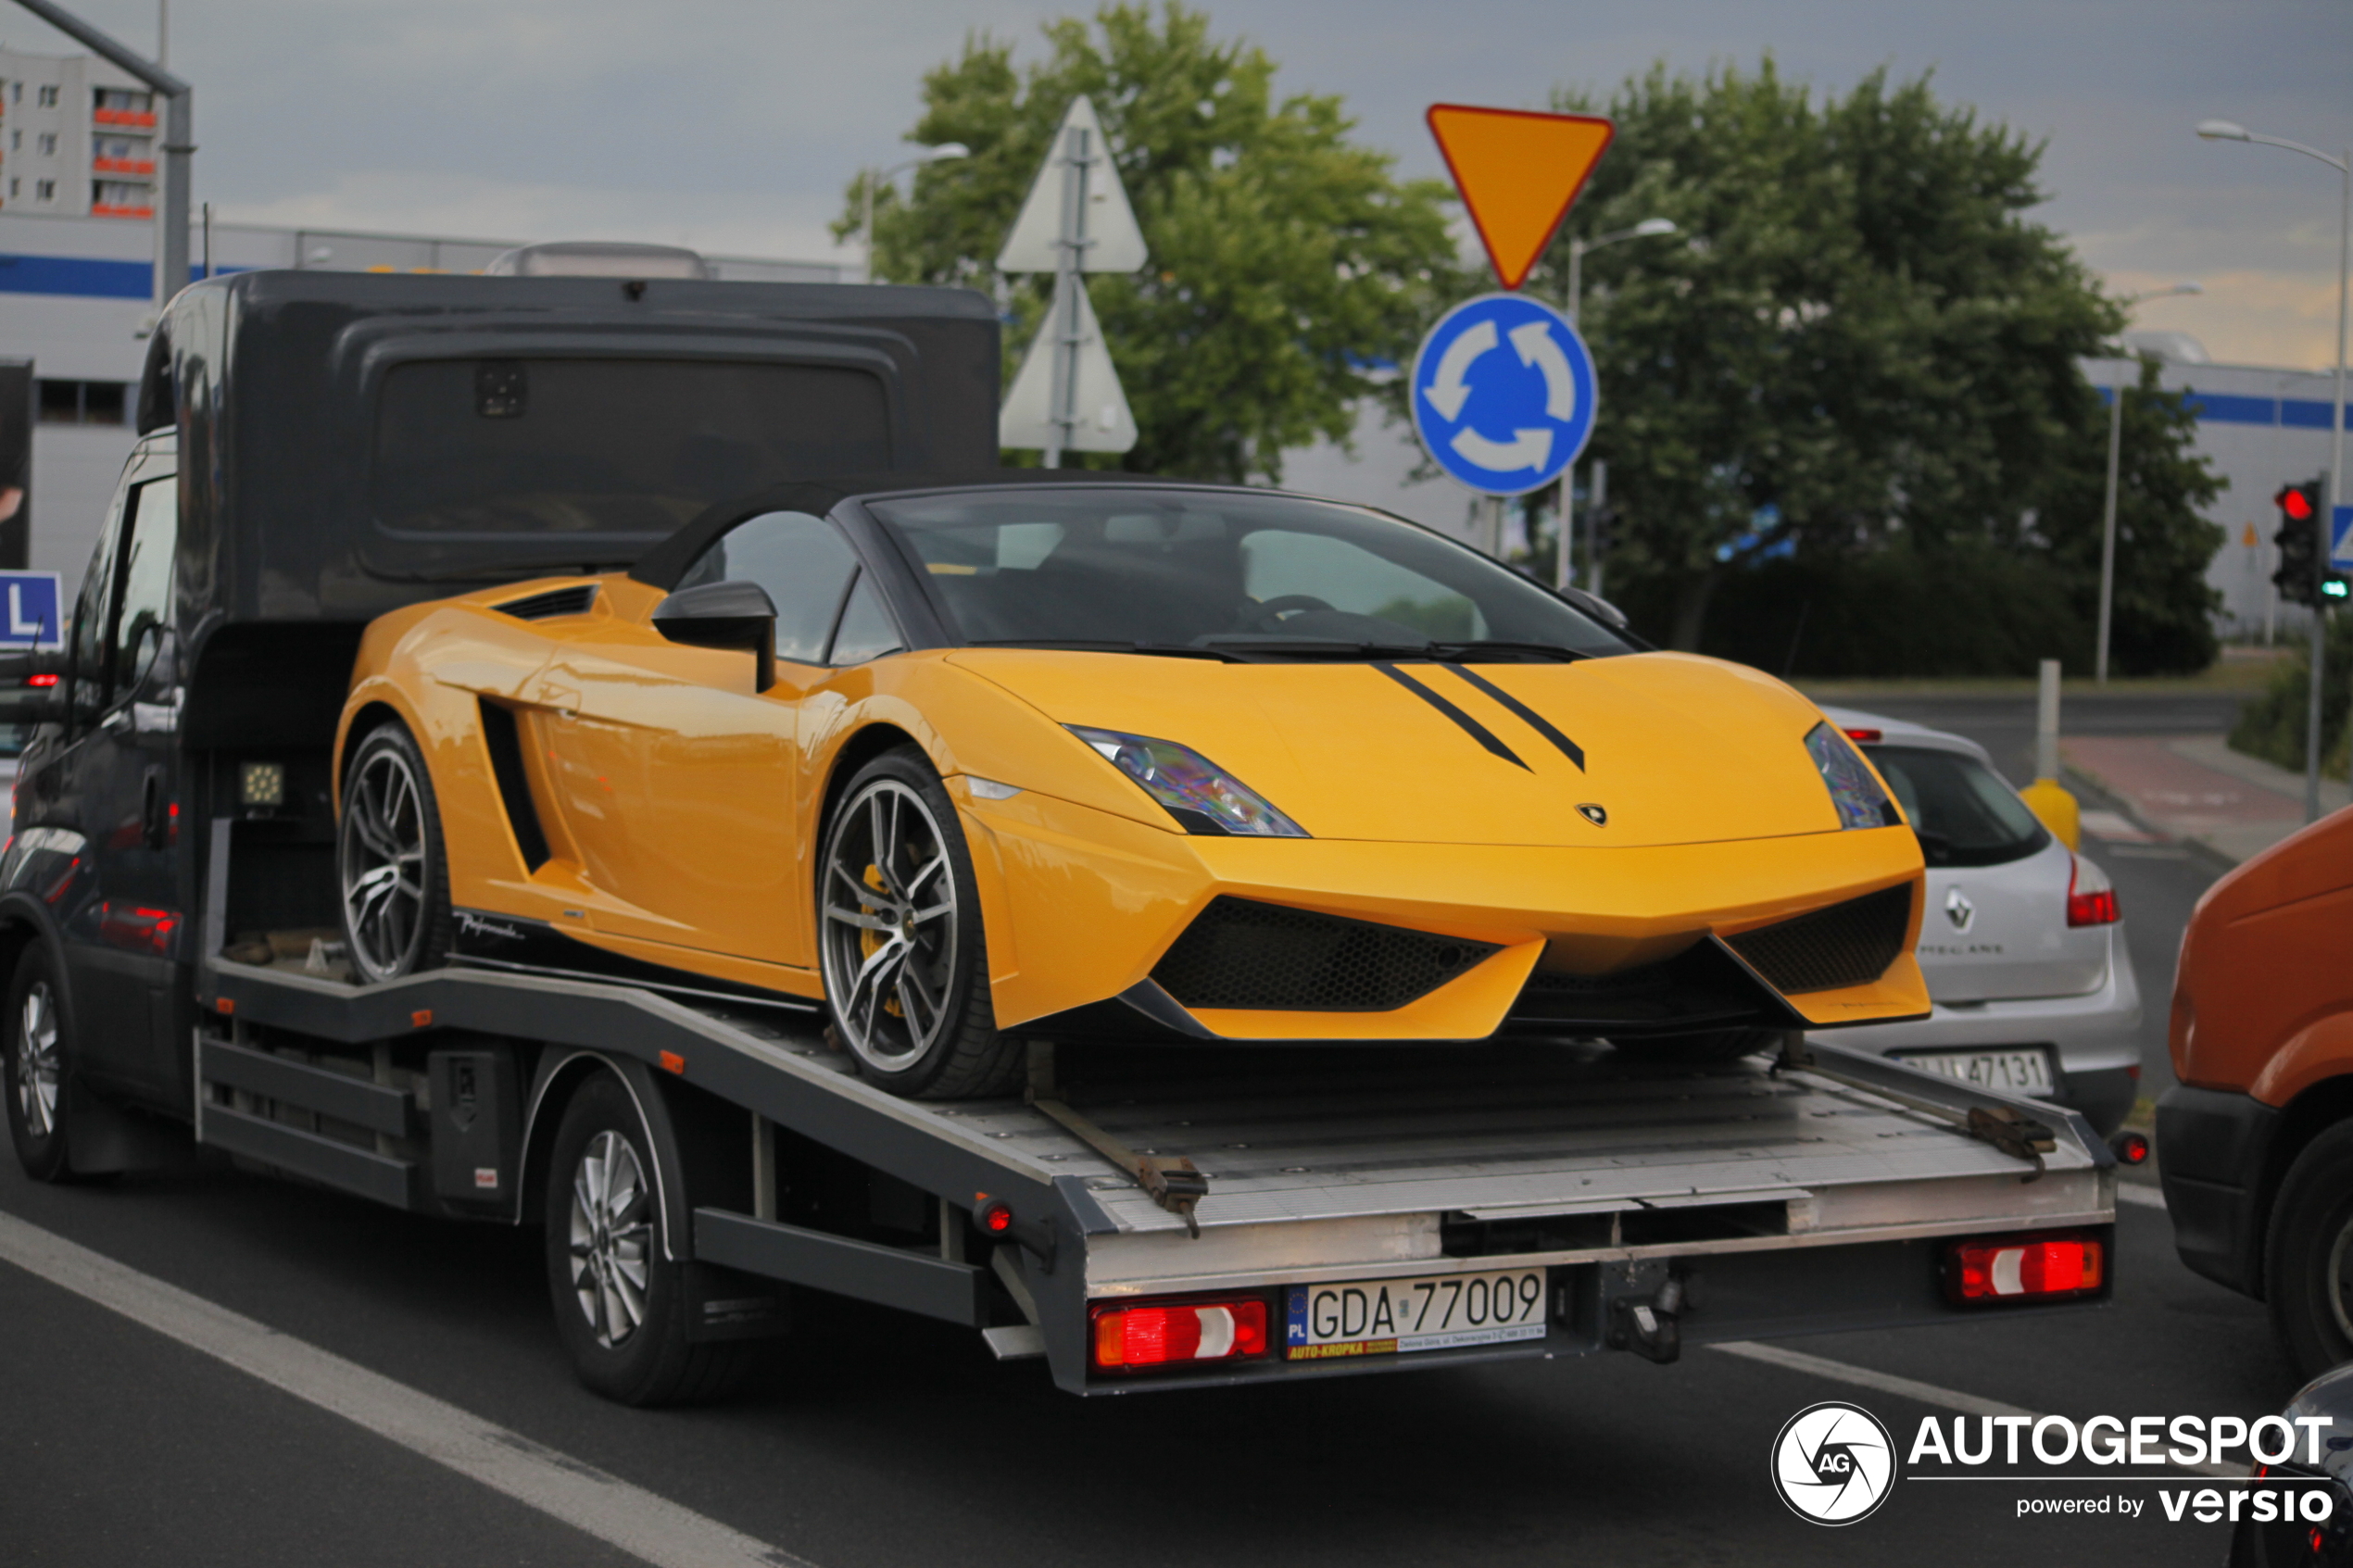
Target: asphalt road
{"x":875,"y":1438}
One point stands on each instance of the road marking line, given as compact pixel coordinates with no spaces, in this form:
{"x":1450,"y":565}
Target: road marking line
{"x":616,"y":1512}
{"x":1919,"y":1393}
{"x":2147,"y":1197}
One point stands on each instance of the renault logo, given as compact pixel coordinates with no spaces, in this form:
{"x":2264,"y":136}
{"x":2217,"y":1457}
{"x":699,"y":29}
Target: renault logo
{"x":1593,"y":814}
{"x":1958,"y":909}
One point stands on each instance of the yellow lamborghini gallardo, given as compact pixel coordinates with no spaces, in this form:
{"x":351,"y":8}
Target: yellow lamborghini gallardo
{"x":970,"y":762}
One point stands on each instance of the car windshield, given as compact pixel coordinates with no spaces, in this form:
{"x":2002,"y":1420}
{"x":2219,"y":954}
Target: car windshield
{"x":1964,"y":814}
{"x":1229,"y":573}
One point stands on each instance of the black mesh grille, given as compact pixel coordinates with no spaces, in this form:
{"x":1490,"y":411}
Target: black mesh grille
{"x":1239,"y":953}
{"x":1849,"y":943}
{"x":551,"y":604}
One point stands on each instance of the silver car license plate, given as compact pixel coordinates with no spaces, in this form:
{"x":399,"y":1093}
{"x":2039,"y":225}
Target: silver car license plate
{"x":2020,"y":1070}
{"x":1377,"y":1317}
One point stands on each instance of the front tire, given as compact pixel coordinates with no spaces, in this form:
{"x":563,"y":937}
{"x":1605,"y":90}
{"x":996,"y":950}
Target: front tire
{"x":389,"y":861}
{"x":2307,"y":1255}
{"x":620,"y":1302}
{"x":904,"y":955}
{"x":37,"y":1068}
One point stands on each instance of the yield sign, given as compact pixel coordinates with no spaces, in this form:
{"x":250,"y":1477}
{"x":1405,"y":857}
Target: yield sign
{"x":1518,"y":171}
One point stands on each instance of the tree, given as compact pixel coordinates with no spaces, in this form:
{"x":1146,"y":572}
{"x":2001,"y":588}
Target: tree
{"x":1286,"y":262}
{"x":1863,"y":338}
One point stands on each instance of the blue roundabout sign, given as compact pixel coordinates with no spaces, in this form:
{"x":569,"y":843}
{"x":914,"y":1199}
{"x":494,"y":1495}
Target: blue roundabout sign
{"x":1503,"y":394}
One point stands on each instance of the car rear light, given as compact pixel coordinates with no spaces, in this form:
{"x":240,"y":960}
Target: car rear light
{"x":41,"y":683}
{"x":2023,"y":1268}
{"x":1127,"y":1339}
{"x":2090,"y":899}
{"x":1864,"y":737}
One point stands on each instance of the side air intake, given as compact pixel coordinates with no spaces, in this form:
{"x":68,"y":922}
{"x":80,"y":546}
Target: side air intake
{"x":551,"y":604}
{"x":1239,"y":953}
{"x":1849,"y":943}
{"x":500,"y":736}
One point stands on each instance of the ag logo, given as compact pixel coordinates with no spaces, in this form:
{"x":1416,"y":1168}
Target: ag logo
{"x":1833,"y":1463}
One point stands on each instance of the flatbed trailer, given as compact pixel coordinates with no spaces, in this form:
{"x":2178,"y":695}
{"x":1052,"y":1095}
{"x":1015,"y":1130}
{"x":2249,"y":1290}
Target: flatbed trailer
{"x":1659,"y":1205}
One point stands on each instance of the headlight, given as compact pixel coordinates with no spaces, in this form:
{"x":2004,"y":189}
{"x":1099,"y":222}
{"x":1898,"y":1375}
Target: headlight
{"x":1202,"y":797}
{"x":1854,"y":789}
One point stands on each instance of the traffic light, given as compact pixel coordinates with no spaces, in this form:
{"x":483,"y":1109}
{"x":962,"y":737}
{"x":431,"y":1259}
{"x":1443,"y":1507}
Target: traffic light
{"x":2304,"y":577}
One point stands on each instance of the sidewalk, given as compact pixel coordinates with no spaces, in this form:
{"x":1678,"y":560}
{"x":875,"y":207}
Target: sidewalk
{"x":2195,"y":788}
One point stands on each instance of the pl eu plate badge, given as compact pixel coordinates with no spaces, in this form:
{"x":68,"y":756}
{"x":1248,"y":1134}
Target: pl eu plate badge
{"x":1503,"y":394}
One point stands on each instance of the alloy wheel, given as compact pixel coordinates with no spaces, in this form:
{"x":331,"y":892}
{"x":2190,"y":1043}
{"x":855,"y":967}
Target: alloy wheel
{"x":37,"y":1060}
{"x":383,"y":864}
{"x":887,"y":909}
{"x":612,"y":1238}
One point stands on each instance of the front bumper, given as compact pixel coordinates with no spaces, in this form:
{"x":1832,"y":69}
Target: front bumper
{"x":2095,"y":1036}
{"x":2212,"y":1146}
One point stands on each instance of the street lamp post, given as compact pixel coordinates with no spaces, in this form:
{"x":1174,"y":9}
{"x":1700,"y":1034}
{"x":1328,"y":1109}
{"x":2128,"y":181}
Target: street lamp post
{"x":2226,"y":130}
{"x":939,"y":153}
{"x":2108,"y":517}
{"x":1649,"y":228}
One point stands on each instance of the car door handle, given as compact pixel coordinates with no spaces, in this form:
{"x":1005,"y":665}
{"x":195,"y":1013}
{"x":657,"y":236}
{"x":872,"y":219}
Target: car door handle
{"x":154,"y":819}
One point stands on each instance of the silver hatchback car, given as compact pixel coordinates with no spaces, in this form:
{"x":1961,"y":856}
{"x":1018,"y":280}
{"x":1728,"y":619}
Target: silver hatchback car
{"x":2021,"y":943}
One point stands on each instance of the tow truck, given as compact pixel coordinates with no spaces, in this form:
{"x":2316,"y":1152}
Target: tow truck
{"x":1160,"y":1217}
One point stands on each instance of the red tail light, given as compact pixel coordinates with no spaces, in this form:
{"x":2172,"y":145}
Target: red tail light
{"x":1167,"y":1334}
{"x":2090,"y":900}
{"x":41,"y":681}
{"x":2023,"y":1268}
{"x":1864,"y":737}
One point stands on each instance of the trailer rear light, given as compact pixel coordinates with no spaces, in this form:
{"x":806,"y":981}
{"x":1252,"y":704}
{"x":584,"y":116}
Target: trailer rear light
{"x":993,"y":1214}
{"x":2090,"y":900}
{"x":1167,"y":1334}
{"x":2023,"y":1268}
{"x":2130,"y":1148}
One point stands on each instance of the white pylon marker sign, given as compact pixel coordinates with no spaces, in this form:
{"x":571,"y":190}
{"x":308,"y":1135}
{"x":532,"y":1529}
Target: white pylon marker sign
{"x":1066,"y":397}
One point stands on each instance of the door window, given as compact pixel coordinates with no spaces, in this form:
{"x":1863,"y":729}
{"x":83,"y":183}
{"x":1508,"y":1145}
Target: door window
{"x":88,"y":681}
{"x":802,"y":561}
{"x":145,"y":598}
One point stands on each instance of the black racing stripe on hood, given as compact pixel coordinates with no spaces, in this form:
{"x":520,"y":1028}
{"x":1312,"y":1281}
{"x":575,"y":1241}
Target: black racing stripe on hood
{"x":1526,"y":715}
{"x":1463,"y":721}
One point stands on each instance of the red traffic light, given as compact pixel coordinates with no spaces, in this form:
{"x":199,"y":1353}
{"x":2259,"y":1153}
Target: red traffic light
{"x":2293,"y":502}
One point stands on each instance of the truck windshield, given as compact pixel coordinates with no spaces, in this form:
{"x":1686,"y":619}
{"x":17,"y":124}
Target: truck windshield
{"x":1248,"y":575}
{"x":622,"y":450}
{"x":1964,"y":814}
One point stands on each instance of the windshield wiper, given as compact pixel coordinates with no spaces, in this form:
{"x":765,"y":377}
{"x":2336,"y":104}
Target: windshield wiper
{"x":1107,"y":644}
{"x":502,"y":571}
{"x":1457,"y":653}
{"x":1312,"y":647}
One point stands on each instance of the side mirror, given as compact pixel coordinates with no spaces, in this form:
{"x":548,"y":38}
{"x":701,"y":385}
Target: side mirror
{"x":31,"y":689}
{"x":724,"y":615}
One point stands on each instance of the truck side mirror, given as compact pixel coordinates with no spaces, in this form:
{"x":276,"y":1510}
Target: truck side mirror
{"x":31,"y":688}
{"x":724,"y":615}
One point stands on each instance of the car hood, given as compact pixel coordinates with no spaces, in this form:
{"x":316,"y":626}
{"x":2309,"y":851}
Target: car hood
{"x":1672,"y":748}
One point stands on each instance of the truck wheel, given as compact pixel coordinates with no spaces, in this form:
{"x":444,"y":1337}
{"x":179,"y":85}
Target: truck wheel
{"x":389,"y":860}
{"x":2307,"y":1255}
{"x":905,"y":957}
{"x":621,"y":1304}
{"x":38,"y":1064}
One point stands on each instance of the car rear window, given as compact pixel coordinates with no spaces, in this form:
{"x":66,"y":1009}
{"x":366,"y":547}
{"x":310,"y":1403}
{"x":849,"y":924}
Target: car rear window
{"x":1964,"y":813}
{"x":622,"y":450}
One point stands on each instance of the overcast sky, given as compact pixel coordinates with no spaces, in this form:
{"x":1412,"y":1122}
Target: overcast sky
{"x":733,"y":125}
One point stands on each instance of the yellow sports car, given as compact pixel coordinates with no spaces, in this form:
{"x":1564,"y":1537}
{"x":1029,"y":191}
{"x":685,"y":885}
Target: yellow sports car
{"x":966,"y":763}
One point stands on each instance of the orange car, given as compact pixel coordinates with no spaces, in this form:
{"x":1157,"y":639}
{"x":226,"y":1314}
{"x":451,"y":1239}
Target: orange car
{"x":2256,"y":1145}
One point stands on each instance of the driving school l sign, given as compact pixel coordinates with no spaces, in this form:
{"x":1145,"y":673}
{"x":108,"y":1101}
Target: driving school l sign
{"x":1503,"y":394}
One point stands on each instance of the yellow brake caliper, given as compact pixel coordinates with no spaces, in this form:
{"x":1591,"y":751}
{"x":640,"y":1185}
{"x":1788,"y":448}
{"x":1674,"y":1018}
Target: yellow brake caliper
{"x":870,"y":941}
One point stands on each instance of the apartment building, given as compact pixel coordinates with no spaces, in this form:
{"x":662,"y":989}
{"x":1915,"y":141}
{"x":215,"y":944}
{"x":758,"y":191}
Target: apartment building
{"x":77,"y":138}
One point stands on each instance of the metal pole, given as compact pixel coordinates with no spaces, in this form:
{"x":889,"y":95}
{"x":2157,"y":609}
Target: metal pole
{"x":171,"y":248}
{"x":2047,"y":721}
{"x":866,"y":228}
{"x":1596,"y":496}
{"x":1063,"y":321}
{"x":2325,"y":523}
{"x":1576,"y":277}
{"x":2107,"y":525}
